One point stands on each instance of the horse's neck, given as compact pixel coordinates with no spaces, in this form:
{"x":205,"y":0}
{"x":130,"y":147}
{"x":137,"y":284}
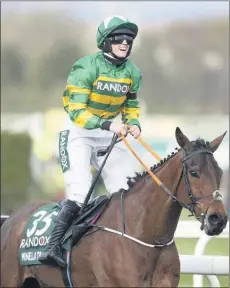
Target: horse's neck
{"x":152,"y":213}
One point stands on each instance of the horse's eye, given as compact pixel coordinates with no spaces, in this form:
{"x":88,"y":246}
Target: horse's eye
{"x":194,"y":174}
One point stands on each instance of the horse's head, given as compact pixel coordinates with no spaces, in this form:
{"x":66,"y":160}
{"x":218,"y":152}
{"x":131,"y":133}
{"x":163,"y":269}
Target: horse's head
{"x":202,"y":176}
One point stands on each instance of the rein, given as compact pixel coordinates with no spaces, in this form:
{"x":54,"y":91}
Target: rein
{"x":191,"y":207}
{"x":109,"y":150}
{"x":194,"y":200}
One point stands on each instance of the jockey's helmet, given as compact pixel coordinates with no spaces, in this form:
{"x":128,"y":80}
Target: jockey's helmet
{"x":114,"y":25}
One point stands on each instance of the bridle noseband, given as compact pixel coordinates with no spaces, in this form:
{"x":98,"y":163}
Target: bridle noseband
{"x":194,"y":200}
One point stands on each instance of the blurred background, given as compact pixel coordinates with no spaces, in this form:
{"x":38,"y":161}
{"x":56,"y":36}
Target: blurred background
{"x":182,"y":50}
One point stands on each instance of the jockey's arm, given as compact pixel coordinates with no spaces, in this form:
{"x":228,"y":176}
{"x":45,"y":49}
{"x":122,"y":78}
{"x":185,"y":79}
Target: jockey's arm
{"x":76,"y":97}
{"x":131,"y":109}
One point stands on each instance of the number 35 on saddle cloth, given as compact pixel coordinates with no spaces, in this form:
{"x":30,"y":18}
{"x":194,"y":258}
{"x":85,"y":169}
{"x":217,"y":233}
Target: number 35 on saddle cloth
{"x":41,"y":223}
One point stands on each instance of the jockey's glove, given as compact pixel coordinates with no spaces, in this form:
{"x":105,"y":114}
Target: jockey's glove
{"x":116,"y":128}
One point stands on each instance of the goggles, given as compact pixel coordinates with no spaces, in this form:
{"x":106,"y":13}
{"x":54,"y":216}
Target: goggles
{"x":118,"y":39}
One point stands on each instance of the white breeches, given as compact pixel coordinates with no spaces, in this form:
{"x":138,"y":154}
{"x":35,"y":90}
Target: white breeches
{"x":78,"y":152}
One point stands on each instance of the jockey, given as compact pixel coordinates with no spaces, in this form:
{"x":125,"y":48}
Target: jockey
{"x":99,"y":87}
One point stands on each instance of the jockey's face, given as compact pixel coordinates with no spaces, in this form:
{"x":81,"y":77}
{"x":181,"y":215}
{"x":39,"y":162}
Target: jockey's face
{"x":120,"y":50}
{"x":120,"y":45}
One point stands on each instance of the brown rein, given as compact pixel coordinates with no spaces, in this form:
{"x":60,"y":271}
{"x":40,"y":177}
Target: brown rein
{"x":154,"y":177}
{"x":195,"y":201}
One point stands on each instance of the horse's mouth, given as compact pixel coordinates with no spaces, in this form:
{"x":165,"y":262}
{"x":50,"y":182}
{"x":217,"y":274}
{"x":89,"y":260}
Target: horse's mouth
{"x":212,"y":230}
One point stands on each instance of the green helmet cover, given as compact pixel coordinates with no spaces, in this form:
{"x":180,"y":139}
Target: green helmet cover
{"x":112,"y":23}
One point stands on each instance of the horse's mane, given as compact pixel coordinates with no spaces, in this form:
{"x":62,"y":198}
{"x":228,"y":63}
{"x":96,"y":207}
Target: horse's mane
{"x":197,"y":144}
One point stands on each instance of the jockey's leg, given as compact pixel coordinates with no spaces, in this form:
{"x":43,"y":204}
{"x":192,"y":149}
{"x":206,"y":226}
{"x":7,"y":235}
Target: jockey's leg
{"x":77,"y":179}
{"x":120,"y":165}
{"x":53,"y":251}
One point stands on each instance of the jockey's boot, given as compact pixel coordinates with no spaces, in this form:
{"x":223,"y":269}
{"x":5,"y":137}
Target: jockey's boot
{"x":53,"y":252}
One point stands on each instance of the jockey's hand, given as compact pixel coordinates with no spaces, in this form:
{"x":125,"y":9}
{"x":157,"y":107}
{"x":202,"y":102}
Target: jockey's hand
{"x":134,"y":130}
{"x":118,"y":128}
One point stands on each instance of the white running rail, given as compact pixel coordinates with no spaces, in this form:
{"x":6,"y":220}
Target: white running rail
{"x":191,"y":229}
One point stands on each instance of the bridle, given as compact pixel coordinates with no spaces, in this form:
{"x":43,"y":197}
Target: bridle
{"x":191,"y":206}
{"x":184,"y":175}
{"x":194,"y":200}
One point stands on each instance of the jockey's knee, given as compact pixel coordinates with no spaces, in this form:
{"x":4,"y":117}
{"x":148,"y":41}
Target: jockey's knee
{"x":77,"y":191}
{"x":115,"y":183}
{"x":77,"y":184}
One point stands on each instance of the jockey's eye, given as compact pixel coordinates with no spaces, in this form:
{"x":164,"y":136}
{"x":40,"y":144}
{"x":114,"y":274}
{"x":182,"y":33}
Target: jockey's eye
{"x":194,"y":174}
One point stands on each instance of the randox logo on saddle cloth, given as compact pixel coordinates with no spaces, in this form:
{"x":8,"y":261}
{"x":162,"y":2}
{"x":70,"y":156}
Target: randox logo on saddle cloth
{"x":41,"y":223}
{"x":37,"y":234}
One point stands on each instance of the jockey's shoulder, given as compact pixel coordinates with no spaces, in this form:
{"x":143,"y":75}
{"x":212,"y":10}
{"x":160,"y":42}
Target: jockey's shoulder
{"x":134,"y":70}
{"x":92,"y":62}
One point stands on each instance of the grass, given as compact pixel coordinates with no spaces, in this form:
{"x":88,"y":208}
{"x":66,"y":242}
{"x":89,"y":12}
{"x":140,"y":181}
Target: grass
{"x":216,"y":246}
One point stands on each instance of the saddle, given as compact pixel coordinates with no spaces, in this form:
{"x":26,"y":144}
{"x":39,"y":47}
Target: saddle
{"x":84,"y":222}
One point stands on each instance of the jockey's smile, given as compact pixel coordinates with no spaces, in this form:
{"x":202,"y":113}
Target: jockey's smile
{"x":120,"y":44}
{"x":120,"y":50}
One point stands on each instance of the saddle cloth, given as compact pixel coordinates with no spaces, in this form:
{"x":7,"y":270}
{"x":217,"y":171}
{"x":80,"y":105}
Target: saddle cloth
{"x":41,"y":223}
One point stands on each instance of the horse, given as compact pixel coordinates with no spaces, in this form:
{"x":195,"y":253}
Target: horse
{"x":102,"y":259}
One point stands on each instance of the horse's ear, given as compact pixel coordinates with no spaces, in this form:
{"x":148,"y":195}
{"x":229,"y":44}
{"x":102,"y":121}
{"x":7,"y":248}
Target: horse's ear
{"x":182,"y":140}
{"x":216,"y":142}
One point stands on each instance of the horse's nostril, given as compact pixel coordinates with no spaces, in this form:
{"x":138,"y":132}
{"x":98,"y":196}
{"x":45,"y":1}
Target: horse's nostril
{"x":213,"y":219}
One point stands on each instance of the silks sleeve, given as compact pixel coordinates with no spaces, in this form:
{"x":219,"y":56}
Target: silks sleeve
{"x":131,"y":109}
{"x":76,"y":95}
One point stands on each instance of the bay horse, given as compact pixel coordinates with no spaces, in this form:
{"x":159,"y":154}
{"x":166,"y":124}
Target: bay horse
{"x":104,"y":259}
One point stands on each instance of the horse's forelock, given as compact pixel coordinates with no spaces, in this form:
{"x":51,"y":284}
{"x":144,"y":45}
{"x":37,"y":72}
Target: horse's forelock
{"x":200,"y":143}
